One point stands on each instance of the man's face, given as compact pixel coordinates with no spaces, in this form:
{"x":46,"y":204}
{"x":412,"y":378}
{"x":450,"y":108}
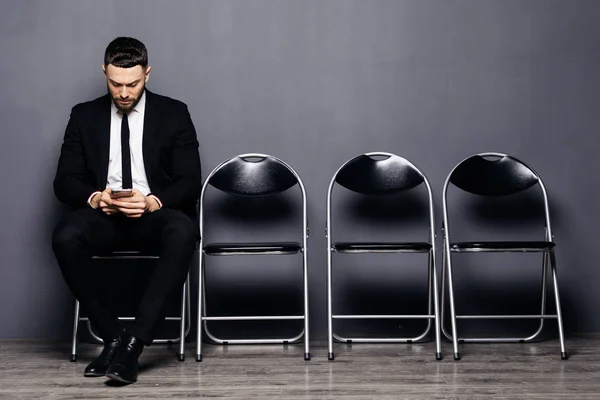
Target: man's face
{"x":126,"y":85}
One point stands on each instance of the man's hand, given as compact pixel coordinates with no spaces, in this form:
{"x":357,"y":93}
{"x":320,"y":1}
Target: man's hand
{"x":136,"y":205}
{"x":103,"y":201}
{"x":153,"y":204}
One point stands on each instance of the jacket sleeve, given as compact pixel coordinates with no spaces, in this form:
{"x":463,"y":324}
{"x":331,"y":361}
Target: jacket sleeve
{"x":186,"y":175}
{"x":70,"y":183}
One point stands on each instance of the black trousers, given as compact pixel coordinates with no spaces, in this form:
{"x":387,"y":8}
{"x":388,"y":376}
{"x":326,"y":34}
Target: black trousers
{"x":83,"y":233}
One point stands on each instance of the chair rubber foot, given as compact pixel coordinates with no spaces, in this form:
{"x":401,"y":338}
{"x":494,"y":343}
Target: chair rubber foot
{"x":330,"y":356}
{"x":198,"y":357}
{"x":73,"y":358}
{"x":438,"y":356}
{"x":564,"y":355}
{"x":456,"y":356}
{"x":306,"y":356}
{"x":181,"y":357}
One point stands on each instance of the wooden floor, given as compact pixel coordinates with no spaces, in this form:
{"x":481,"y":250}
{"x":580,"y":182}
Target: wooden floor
{"x":42,"y":370}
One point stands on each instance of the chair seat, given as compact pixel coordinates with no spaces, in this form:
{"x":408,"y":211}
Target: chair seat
{"x":229,"y":249}
{"x":125,"y":254}
{"x":381,"y":247}
{"x":502,"y":246}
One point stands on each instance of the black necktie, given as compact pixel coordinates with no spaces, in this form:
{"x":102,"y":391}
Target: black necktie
{"x":125,"y":154}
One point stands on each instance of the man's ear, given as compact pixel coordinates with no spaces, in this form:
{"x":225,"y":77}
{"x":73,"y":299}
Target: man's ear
{"x":147,"y":73}
{"x":104,"y":69}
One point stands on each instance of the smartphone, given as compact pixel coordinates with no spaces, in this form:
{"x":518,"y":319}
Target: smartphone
{"x":117,"y":193}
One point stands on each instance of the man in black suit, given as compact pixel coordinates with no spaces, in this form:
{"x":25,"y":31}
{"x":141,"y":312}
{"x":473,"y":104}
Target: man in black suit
{"x":131,"y":139}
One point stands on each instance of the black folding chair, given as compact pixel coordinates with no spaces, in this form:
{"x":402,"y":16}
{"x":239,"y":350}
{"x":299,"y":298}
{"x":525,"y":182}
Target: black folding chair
{"x":377,"y":174}
{"x":252,"y":175}
{"x":495,"y":175}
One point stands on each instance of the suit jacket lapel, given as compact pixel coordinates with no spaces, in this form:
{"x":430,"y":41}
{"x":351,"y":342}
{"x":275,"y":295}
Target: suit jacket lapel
{"x":149,"y":136}
{"x":103,"y":136}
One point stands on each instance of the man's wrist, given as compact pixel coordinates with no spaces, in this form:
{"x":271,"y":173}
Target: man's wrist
{"x":160,"y":204}
{"x":154,"y":203}
{"x":91,"y":202}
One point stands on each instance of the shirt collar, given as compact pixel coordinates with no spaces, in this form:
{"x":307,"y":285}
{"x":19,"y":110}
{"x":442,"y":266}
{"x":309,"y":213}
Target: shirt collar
{"x":140,"y":107}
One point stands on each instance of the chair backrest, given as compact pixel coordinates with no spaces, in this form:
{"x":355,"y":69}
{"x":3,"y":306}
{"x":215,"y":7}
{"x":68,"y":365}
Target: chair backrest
{"x":253,"y":175}
{"x":493,"y":175}
{"x":378,"y":174}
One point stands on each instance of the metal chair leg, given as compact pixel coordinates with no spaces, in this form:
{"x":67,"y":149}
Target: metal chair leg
{"x":563,"y":349}
{"x":181,"y":356}
{"x":188,"y":314}
{"x":200,"y":306}
{"x":185,"y":324}
{"x":443,"y":295}
{"x":330,"y":355}
{"x":436,"y":310}
{"x":432,"y":313}
{"x":75,"y":326}
{"x":306,"y":319}
{"x":543,"y":299}
{"x":451,"y":298}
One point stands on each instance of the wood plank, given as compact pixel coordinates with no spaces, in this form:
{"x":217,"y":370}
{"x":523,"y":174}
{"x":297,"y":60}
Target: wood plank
{"x":42,"y":370}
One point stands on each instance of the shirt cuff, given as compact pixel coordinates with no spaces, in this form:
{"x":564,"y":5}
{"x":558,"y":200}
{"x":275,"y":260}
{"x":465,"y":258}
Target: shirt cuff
{"x":157,"y":200}
{"x":89,"y":200}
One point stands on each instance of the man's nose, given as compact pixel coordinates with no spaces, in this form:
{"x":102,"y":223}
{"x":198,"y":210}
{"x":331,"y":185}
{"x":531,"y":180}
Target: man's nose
{"x":124,"y":92}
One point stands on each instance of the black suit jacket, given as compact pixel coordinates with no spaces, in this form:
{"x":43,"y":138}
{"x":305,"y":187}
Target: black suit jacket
{"x":169,"y":145}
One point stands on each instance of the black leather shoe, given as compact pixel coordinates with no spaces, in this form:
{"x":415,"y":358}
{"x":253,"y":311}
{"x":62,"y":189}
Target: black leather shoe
{"x":100,"y":365}
{"x":125,"y":366}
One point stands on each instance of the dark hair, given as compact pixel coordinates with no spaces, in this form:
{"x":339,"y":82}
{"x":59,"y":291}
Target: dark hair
{"x":126,"y":52}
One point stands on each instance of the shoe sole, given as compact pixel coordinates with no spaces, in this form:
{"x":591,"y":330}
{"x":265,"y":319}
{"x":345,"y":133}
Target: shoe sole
{"x":89,"y":375}
{"x":118,"y":378}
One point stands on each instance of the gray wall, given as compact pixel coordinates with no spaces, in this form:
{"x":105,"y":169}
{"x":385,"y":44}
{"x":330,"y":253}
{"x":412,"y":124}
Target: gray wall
{"x":314,"y":82}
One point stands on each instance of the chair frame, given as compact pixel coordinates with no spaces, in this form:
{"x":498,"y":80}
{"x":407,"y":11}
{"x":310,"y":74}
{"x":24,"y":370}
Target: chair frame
{"x":432,"y":277}
{"x":184,"y":318}
{"x":447,"y":269}
{"x":203,"y":319}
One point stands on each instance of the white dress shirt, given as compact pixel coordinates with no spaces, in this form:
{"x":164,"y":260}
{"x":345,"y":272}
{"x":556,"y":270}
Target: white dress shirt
{"x":135,"y":118}
{"x":136,"y":133}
